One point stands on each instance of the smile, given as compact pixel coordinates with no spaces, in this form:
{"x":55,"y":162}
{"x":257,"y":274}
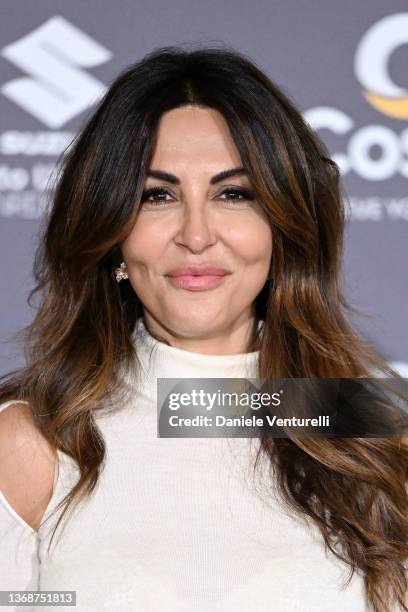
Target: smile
{"x":196,"y":282}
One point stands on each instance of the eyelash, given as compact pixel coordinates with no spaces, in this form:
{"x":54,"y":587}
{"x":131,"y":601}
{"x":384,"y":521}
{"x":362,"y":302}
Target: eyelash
{"x":156,"y":191}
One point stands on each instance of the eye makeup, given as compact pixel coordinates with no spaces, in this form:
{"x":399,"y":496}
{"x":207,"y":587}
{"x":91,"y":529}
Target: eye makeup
{"x":239,"y":195}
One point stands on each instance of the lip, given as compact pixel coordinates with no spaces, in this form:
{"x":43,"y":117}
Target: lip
{"x":197,"y":282}
{"x":198,"y":271}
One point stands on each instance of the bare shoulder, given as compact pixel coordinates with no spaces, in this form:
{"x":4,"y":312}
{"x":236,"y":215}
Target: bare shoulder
{"x":27,"y":464}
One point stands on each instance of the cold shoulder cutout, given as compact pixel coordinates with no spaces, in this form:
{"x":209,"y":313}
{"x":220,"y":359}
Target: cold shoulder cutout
{"x":19,"y":563}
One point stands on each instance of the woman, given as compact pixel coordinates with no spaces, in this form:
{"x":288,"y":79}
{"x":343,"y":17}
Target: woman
{"x":193,"y":158}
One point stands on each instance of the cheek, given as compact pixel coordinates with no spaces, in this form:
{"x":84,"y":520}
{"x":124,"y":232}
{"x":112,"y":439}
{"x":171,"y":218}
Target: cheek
{"x":145,"y":245}
{"x":252,"y":242}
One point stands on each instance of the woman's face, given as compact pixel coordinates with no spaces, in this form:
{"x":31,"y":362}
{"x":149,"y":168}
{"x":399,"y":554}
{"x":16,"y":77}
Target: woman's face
{"x":192,"y":218}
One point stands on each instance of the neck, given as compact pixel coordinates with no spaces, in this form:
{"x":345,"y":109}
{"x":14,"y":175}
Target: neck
{"x":161,"y":360}
{"x":239,"y":337}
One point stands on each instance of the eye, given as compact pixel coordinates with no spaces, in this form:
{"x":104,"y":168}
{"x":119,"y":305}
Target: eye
{"x":234,"y":195}
{"x":155,"y":195}
{"x":237,"y":194}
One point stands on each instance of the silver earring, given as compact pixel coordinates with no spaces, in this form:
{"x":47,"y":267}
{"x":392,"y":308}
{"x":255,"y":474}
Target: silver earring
{"x":121,"y":272}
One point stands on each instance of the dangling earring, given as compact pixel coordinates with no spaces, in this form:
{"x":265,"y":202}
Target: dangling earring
{"x":121,"y":272}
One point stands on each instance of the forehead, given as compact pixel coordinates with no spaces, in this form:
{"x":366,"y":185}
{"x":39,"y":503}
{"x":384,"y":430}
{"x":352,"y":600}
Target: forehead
{"x":192,"y":136}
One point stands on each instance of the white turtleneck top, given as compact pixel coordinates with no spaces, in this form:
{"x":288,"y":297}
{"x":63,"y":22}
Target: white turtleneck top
{"x":175,"y":524}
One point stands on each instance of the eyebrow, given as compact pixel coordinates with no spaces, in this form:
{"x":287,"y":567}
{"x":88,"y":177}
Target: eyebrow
{"x":172,"y":178}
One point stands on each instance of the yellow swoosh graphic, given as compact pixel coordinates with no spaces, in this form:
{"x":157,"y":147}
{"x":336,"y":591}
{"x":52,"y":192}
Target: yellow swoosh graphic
{"x":397,"y":108}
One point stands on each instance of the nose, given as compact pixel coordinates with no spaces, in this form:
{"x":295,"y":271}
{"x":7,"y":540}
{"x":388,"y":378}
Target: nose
{"x":196,"y":229}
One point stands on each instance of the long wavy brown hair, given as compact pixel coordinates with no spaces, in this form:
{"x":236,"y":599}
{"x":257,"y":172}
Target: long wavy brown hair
{"x":80,"y":343}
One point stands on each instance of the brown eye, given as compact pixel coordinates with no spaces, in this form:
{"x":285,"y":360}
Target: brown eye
{"x":155,"y":195}
{"x":235,"y":194}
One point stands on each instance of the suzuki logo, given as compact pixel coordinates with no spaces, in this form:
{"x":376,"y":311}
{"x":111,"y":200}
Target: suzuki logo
{"x":54,"y":55}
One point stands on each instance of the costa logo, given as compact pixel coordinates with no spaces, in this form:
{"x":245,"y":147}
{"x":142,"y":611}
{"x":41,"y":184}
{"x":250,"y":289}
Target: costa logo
{"x":371,"y":63}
